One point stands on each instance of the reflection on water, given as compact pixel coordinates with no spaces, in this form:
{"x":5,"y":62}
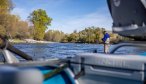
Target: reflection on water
{"x":63,"y":50}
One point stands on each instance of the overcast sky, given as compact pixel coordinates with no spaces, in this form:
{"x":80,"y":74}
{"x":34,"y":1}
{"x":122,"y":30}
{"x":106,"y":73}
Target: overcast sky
{"x":68,"y":15}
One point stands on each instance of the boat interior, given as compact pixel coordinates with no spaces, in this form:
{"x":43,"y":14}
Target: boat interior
{"x":129,"y":19}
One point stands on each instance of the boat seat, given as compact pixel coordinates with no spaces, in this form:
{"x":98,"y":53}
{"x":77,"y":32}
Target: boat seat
{"x":120,"y":64}
{"x":109,"y":68}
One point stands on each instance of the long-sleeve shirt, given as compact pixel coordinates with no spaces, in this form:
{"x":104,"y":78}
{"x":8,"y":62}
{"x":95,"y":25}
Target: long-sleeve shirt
{"x":106,"y":38}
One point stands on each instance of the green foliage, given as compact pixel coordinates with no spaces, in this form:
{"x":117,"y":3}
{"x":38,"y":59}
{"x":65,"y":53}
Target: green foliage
{"x":91,"y":35}
{"x":73,"y":37}
{"x":88,"y":35}
{"x":40,"y":20}
{"x":54,"y":35}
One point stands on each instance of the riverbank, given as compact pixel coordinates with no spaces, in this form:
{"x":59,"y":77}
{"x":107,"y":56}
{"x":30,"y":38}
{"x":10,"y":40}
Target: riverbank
{"x":28,"y":41}
{"x":36,"y":41}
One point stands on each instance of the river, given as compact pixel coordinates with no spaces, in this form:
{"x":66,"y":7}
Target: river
{"x":63,"y":50}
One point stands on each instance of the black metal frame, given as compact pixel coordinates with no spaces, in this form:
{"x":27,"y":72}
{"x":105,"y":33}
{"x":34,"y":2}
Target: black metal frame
{"x":132,"y":43}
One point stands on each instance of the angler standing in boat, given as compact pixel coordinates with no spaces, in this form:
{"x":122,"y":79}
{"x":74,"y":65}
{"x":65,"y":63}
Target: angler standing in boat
{"x":106,"y":41}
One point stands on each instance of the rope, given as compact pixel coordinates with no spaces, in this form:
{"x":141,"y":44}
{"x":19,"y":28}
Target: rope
{"x":55,"y":71}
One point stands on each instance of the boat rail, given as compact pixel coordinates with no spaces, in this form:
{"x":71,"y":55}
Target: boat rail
{"x":129,"y":44}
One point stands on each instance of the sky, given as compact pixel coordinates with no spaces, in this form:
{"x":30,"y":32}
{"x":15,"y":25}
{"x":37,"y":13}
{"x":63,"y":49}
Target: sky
{"x":68,"y":15}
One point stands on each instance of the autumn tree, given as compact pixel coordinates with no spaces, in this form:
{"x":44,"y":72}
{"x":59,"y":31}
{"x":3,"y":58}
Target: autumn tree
{"x":12,"y":25}
{"x":5,"y":7}
{"x":41,"y":21}
{"x":2,"y":31}
{"x":23,"y":30}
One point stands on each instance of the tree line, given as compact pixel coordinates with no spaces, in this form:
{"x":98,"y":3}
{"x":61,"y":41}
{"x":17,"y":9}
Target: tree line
{"x":88,"y":35}
{"x":13,"y":27}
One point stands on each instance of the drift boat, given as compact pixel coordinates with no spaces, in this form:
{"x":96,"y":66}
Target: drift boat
{"x":129,"y":19}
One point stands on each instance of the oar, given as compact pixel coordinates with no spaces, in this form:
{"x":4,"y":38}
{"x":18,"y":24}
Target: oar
{"x":55,"y":71}
{"x":18,"y":52}
{"x":4,"y":44}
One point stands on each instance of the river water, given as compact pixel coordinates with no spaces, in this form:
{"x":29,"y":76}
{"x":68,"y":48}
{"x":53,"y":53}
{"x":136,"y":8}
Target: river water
{"x":63,"y":50}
